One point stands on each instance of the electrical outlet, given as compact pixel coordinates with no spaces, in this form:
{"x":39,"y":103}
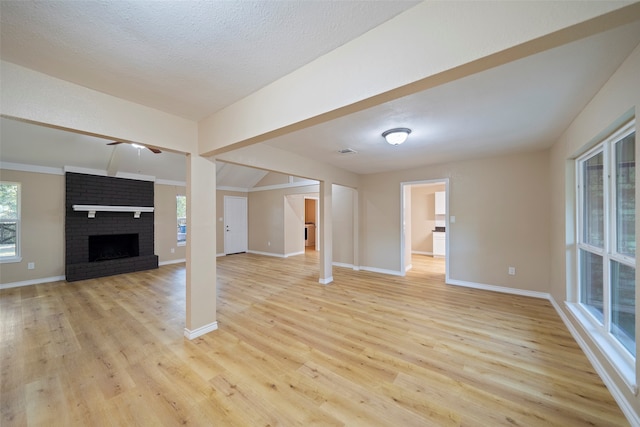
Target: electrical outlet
{"x":268,"y":243}
{"x":173,"y":250}
{"x":512,"y":271}
{"x":31,"y":265}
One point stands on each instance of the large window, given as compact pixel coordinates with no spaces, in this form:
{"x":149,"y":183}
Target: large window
{"x":181,"y":212}
{"x":607,"y":243}
{"x":9,"y":222}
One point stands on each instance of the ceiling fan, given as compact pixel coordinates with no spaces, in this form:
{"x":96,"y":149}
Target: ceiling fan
{"x":152,"y":149}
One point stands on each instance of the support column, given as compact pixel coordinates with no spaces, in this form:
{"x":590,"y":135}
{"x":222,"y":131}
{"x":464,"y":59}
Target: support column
{"x":326,"y":233}
{"x":356,"y":230}
{"x":201,"y":246}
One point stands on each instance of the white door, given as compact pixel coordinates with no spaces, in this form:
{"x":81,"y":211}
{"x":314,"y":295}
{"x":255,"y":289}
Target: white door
{"x":235,"y":224}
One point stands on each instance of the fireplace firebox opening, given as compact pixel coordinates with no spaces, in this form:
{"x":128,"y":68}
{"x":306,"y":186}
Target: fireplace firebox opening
{"x":113,"y":246}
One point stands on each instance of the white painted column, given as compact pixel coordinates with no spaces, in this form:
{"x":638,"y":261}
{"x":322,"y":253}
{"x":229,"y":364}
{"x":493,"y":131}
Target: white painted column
{"x":201,"y":247}
{"x":326,"y":233}
{"x":356,"y":230}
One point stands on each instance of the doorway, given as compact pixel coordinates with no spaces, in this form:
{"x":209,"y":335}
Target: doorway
{"x":235,"y":225}
{"x":425,"y":226}
{"x":311,"y":223}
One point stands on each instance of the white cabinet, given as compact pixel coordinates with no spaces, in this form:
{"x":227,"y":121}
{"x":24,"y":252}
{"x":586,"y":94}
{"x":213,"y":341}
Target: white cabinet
{"x":309,"y":235}
{"x":439,"y":243}
{"x":441,"y":204}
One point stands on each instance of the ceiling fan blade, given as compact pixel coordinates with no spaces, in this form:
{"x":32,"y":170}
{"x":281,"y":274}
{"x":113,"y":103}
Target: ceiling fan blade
{"x":153,"y":149}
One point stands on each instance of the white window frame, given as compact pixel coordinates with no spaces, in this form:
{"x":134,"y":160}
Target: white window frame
{"x":180,"y":242}
{"x":18,"y":256}
{"x":619,"y":357}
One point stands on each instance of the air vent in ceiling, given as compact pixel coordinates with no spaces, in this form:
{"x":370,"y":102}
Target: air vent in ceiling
{"x":347,"y":151}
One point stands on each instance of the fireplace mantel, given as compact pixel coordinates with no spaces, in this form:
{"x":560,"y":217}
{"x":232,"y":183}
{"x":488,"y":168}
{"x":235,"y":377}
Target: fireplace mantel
{"x":92,"y":209}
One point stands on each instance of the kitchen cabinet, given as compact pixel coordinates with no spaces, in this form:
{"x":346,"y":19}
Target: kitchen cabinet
{"x":441,"y":204}
{"x":309,"y":235}
{"x":439,"y":243}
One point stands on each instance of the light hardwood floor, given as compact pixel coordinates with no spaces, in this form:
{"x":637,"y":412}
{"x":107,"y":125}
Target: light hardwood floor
{"x":366,"y":350}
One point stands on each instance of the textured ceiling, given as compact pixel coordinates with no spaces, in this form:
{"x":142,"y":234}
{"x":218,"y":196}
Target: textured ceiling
{"x":524,"y":105}
{"x":189,"y":58}
{"x":192,"y":58}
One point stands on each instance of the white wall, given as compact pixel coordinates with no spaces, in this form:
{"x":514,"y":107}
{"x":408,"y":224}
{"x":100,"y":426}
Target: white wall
{"x":343,"y":225}
{"x":42,"y":227}
{"x":294,"y":224}
{"x":269,"y":232}
{"x":618,"y":100}
{"x":407,"y":226}
{"x":501,"y":206}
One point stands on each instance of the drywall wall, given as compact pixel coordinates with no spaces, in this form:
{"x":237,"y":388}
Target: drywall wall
{"x":41,"y":229}
{"x":273,"y":178}
{"x":166,"y":223}
{"x":343,"y":225}
{"x":263,"y":156}
{"x":267,"y":218}
{"x":406,"y":227}
{"x":615,"y":103}
{"x":501,"y":206}
{"x":276,"y":221}
{"x":294,"y":224}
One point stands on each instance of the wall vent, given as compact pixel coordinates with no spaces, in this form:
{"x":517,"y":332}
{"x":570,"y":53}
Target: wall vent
{"x":347,"y":151}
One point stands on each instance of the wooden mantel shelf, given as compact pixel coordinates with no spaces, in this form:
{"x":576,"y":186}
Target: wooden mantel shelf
{"x":92,"y":209}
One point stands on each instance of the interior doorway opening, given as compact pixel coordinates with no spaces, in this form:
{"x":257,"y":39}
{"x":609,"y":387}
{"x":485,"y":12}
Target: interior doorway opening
{"x":425,"y":226}
{"x":311,"y":224}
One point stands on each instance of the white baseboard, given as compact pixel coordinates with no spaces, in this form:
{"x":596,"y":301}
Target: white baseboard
{"x":625,"y":405}
{"x":219,"y":255}
{"x":382,"y":271}
{"x":408,"y":267}
{"x":32,"y":282}
{"x":422,"y":253}
{"x":171,"y":261}
{"x":266,"y":254}
{"x":293,"y":254}
{"x":502,"y":289}
{"x":200,"y":331}
{"x":325,"y":281}
{"x":345,"y":265}
{"x":618,"y":396}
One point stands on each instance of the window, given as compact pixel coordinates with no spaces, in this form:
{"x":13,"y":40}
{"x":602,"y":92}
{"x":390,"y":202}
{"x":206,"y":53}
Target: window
{"x":9,"y":222}
{"x":181,"y":212}
{"x":607,"y":244}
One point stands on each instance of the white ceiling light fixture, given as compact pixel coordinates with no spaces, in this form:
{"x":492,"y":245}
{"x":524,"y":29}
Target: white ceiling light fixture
{"x":396,"y":136}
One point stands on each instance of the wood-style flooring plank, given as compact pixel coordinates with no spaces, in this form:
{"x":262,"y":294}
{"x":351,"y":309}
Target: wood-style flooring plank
{"x":366,"y":350}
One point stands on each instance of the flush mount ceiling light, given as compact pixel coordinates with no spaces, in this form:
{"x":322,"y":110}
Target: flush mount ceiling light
{"x":396,"y":136}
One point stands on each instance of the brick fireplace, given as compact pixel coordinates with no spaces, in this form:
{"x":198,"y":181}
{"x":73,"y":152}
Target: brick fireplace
{"x":116,"y":240}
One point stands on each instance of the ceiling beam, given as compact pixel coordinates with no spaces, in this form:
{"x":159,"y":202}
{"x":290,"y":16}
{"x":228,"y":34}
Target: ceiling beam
{"x":430,"y":44}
